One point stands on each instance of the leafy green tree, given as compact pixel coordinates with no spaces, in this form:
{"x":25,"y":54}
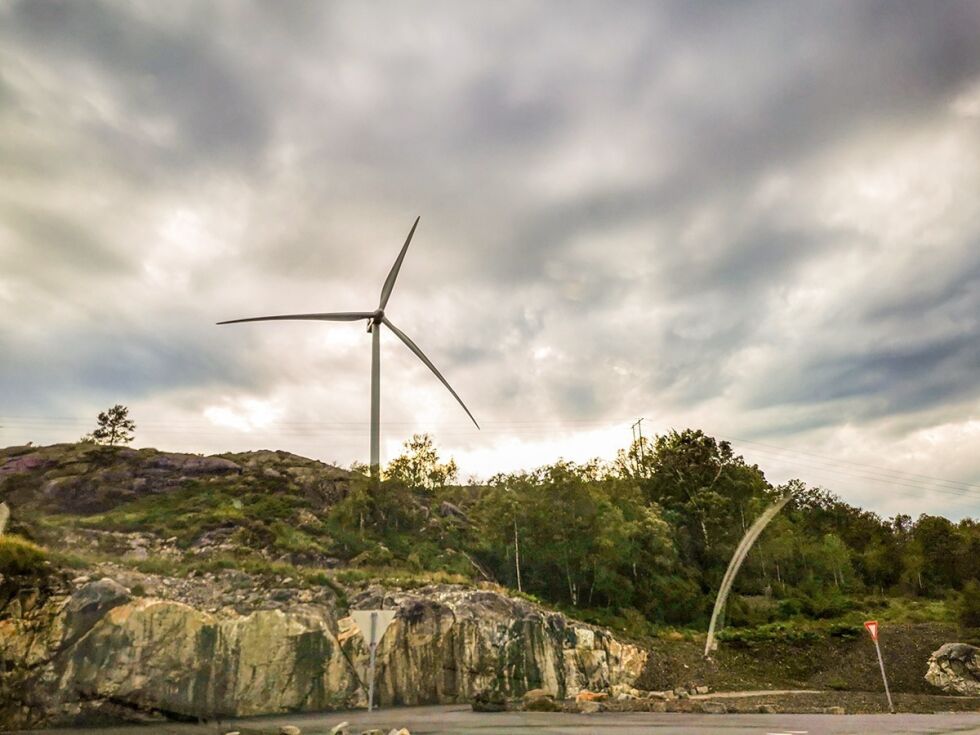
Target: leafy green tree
{"x":836,"y":557}
{"x":706,"y":490}
{"x":586,"y":537}
{"x":969,"y":606}
{"x":939,"y":542}
{"x":419,"y":467}
{"x":114,"y":427}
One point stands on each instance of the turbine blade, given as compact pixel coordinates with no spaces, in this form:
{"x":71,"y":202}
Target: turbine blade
{"x":421,"y":355}
{"x":337,"y":316}
{"x":393,"y":274}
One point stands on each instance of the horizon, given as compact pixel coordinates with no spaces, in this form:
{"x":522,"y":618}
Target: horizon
{"x":763,"y":223}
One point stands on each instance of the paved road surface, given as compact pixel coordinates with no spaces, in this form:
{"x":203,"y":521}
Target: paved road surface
{"x":459,"y":720}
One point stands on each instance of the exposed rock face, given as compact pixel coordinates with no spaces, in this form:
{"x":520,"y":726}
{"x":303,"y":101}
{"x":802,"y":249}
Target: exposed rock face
{"x":86,"y":478}
{"x":79,"y":654}
{"x":955,"y":668}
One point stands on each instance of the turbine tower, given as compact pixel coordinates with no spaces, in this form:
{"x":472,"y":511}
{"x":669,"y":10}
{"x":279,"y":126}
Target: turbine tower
{"x":374,"y":321}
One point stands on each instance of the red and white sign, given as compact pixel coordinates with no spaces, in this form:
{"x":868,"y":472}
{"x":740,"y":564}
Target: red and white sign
{"x":872,"y":626}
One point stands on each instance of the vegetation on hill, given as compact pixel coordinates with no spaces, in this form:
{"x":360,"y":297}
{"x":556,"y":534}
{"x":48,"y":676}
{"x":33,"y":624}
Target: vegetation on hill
{"x":638,"y":544}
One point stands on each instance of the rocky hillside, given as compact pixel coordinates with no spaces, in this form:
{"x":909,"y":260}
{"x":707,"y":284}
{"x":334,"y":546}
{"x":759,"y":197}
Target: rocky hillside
{"x":144,"y":584}
{"x":181,"y":586}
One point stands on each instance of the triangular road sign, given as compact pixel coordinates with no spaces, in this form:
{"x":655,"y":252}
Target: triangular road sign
{"x":872,"y":626}
{"x":373,"y":623}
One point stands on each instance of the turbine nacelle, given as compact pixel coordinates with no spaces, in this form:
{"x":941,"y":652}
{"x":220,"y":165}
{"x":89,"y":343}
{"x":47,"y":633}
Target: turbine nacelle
{"x":376,"y":318}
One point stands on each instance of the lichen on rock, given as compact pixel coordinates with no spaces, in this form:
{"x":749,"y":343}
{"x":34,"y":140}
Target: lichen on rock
{"x":955,"y":668}
{"x":92,"y":652}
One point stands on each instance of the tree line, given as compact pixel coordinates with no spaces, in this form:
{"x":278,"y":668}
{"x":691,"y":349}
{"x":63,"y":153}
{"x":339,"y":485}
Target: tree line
{"x":653,"y":532}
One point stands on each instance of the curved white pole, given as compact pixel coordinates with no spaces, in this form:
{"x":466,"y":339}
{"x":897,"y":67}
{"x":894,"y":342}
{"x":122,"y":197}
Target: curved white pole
{"x":733,"y":566}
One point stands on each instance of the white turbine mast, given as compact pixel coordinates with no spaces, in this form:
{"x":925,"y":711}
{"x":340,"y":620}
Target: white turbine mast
{"x":374,"y":321}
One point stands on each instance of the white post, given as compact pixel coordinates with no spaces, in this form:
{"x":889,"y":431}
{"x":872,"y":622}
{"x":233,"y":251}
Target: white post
{"x":881,"y":664}
{"x":374,"y":648}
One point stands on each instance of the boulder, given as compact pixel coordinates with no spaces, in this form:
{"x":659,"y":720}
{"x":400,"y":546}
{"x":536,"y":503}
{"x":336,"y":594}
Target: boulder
{"x":88,"y":604}
{"x":955,"y":668}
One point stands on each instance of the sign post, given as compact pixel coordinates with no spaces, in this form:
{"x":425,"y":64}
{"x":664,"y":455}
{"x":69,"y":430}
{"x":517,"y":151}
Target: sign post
{"x":872,"y":628}
{"x":372,"y":624}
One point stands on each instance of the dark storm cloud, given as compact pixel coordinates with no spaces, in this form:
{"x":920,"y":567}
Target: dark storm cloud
{"x":623,"y":205}
{"x":171,"y":74}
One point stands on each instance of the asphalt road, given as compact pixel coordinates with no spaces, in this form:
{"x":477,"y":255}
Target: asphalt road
{"x":460,"y":720}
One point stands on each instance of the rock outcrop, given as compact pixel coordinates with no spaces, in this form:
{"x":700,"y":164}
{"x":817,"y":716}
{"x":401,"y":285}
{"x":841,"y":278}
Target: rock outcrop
{"x":95,"y":653}
{"x":955,"y":668}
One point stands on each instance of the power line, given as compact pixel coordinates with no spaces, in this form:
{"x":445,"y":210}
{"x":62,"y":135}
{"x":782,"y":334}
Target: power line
{"x":328,"y":429}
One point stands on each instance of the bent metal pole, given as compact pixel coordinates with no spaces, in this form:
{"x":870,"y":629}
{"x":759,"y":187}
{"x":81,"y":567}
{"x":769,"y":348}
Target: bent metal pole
{"x":733,"y":566}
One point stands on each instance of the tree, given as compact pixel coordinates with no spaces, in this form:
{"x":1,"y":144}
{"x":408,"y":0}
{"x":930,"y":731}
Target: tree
{"x":969,"y":607}
{"x":586,"y":538}
{"x":419,"y":467}
{"x":115,"y":427}
{"x":705,"y":489}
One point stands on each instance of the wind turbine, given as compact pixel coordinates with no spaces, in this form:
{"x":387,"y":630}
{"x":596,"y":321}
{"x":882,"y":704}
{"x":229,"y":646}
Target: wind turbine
{"x":374,"y":321}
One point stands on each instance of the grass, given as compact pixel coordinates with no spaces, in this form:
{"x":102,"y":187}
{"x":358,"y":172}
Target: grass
{"x":22,"y":558}
{"x":398,"y":577}
{"x":265,"y":515}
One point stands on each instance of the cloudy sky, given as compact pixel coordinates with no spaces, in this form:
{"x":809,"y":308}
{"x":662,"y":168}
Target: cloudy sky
{"x":761,"y":219}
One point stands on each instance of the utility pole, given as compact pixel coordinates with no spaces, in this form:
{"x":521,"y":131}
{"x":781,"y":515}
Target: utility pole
{"x":637,"y":429}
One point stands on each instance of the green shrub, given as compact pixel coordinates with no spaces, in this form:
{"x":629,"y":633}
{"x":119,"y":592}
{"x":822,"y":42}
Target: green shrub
{"x":772,"y":633}
{"x":21,"y":558}
{"x":969,"y":607}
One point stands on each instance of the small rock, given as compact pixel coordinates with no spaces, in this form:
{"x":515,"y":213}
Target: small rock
{"x":588,"y":707}
{"x":543,"y":705}
{"x":540,"y":700}
{"x":375,"y":731}
{"x":701,"y":690}
{"x":832,"y":710}
{"x":489,"y":701}
{"x":680,"y":690}
{"x":768,"y":709}
{"x":403,"y":731}
{"x":340,"y":729}
{"x":713,"y":708}
{"x":532,"y":694}
{"x":683,"y":694}
{"x":289,"y":730}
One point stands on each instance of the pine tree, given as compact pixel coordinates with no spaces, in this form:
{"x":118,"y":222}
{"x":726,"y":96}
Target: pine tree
{"x":115,"y":427}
